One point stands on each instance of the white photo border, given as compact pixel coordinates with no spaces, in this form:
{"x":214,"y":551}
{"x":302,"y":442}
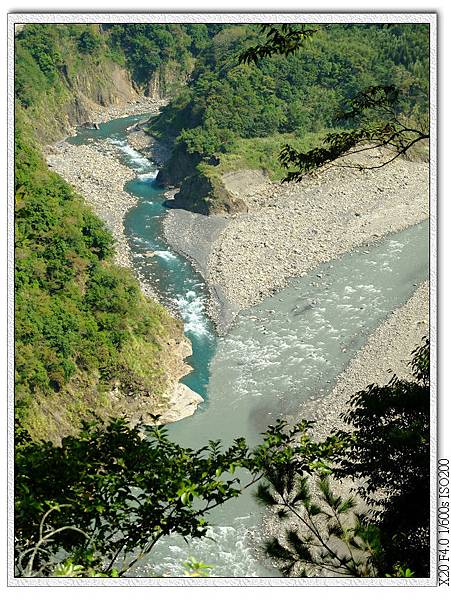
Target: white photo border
{"x":428,"y":17}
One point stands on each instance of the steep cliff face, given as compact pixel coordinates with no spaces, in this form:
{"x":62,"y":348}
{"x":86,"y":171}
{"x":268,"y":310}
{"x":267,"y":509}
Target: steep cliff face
{"x":207,"y":195}
{"x":81,"y":96}
{"x":179,"y":166}
{"x":64,"y":73}
{"x":103,"y":85}
{"x":201,"y":189}
{"x":168,"y":79}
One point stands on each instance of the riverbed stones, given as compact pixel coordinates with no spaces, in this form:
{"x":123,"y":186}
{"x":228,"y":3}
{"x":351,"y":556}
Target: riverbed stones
{"x":302,"y":230}
{"x":99,"y":177}
{"x":140,"y":106}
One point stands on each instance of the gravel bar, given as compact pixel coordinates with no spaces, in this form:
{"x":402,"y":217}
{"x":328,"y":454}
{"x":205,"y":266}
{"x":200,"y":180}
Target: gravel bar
{"x":291,"y":228}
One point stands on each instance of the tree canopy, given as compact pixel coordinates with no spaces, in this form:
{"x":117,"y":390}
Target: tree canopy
{"x":105,"y":498}
{"x":390,"y":457}
{"x":377,"y":116}
{"x":312,"y":93}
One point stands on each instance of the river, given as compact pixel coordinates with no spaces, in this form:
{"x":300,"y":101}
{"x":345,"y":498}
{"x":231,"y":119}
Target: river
{"x":278,"y":355}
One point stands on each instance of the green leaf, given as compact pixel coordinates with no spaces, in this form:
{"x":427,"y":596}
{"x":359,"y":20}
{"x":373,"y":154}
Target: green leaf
{"x":263,"y":495}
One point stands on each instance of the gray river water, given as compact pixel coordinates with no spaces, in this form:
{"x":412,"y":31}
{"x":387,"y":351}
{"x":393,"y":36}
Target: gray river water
{"x":278,"y":356}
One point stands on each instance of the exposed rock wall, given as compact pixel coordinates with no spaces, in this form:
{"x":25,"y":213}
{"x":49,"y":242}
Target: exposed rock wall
{"x":208,"y":195}
{"x":82,"y":95}
{"x":167,"y":79}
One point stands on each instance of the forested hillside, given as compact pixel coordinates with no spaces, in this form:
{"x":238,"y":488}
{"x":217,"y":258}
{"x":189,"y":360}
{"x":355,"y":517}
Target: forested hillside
{"x":83,"y":328}
{"x":86,"y":339}
{"x":233,"y":116}
{"x":63,"y":71}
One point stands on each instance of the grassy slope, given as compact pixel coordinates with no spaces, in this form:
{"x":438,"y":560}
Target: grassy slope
{"x":262,"y":153}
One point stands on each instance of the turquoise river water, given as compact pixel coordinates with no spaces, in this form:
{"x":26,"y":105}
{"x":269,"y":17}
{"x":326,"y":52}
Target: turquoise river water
{"x":278,"y":355}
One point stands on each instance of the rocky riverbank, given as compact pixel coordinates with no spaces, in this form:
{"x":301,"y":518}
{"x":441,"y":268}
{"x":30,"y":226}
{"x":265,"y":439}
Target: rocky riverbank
{"x":99,"y":177}
{"x":97,"y":174}
{"x":291,"y":228}
{"x":386,"y":353}
{"x":149,"y":146}
{"x":140,"y":106}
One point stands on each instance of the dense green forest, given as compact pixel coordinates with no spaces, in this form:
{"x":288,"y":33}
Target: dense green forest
{"x":233,"y":115}
{"x":59,"y":67}
{"x":145,"y":48}
{"x":82,"y":325}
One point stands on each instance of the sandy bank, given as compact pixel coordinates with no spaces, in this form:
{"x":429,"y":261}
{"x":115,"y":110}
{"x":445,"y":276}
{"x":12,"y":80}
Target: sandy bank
{"x":96,"y":173}
{"x":290,"y":229}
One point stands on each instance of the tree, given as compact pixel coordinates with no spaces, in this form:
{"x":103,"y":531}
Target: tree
{"x":389,"y":458}
{"x":373,"y":116}
{"x":283,"y":39}
{"x":88,"y":42}
{"x":105,"y":498}
{"x":324,"y":537}
{"x":387,"y":455}
{"x":379,"y":126}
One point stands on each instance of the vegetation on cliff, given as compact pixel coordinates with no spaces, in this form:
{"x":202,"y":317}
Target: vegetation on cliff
{"x":226,"y":105}
{"x":82,"y":325}
{"x":144,"y":48}
{"x":63,"y":71}
{"x":86,"y":339}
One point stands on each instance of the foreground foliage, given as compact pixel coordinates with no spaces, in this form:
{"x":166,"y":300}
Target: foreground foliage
{"x":383,"y":528}
{"x":326,"y":537}
{"x":107,"y":497}
{"x":103,"y":500}
{"x":389,"y":458}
